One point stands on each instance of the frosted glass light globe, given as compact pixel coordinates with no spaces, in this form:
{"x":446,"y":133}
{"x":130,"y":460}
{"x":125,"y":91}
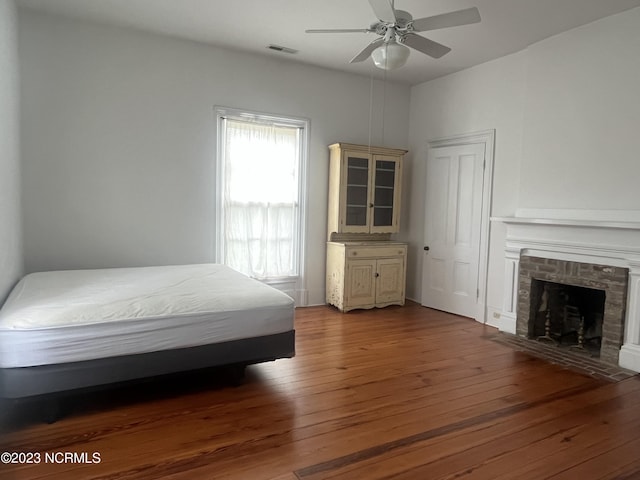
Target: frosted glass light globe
{"x":390,"y":56}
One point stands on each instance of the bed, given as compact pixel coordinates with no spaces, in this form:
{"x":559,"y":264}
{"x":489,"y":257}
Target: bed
{"x":67,"y":330}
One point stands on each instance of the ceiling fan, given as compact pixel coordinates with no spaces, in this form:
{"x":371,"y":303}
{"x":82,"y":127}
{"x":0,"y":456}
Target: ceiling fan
{"x":396,"y":30}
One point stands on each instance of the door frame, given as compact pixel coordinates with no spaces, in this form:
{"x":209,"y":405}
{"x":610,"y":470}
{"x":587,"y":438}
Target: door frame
{"x":486,"y":137}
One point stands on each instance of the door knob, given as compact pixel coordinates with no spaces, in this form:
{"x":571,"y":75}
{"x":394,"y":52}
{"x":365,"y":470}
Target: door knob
{"x":426,"y":248}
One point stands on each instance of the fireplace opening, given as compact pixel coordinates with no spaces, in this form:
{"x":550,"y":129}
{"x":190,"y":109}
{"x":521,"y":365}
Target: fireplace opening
{"x":568,"y":316}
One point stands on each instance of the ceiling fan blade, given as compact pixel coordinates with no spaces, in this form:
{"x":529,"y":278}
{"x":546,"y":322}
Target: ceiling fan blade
{"x":339,"y":30}
{"x":383,"y":10}
{"x":445,"y":20}
{"x":426,"y":46}
{"x":366,"y":52}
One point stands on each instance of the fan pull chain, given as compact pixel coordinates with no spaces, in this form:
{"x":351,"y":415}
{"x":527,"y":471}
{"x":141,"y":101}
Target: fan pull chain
{"x":384,"y":104}
{"x":370,"y":109}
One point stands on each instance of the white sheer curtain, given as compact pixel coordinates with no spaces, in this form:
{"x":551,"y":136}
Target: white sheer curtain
{"x":260,"y":198}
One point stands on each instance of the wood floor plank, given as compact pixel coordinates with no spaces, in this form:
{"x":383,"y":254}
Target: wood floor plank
{"x":402,"y":392}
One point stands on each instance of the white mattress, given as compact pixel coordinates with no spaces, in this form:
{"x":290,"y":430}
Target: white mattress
{"x":69,"y":316}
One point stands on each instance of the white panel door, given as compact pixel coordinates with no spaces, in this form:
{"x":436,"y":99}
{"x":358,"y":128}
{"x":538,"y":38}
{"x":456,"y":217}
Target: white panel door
{"x":452,"y":228}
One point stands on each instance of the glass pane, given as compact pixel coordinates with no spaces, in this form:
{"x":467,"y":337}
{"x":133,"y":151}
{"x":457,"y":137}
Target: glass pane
{"x":385,"y":173}
{"x":383,"y":194}
{"x":383,"y":216}
{"x":357,"y":195}
{"x":358,"y":162}
{"x":357,"y":190}
{"x":383,"y":197}
{"x":356,"y":215}
{"x":357,"y":171}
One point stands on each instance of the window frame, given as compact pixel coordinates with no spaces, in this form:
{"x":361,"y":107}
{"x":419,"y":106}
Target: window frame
{"x":293,"y":285}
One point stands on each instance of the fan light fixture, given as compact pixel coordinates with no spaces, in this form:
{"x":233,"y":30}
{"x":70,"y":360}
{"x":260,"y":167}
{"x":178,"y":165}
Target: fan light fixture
{"x":390,"y":55}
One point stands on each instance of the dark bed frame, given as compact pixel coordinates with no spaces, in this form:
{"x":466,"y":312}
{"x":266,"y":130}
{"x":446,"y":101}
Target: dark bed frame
{"x":28,"y":382}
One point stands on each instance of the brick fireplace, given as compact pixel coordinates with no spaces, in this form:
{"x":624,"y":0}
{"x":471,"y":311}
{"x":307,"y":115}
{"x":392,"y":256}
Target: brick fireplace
{"x":535,"y":273}
{"x":596,"y":250}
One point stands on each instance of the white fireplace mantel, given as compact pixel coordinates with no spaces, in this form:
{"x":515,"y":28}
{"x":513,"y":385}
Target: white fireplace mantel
{"x":605,"y":238}
{"x":606,"y":224}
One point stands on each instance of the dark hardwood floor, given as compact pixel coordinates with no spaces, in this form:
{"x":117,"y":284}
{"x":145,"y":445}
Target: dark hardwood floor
{"x":397,"y":393}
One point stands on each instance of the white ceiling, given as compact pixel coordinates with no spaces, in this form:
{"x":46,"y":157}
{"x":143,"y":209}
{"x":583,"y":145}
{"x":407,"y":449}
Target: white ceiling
{"x":507,"y":26}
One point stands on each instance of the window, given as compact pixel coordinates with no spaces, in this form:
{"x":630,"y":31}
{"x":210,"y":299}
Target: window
{"x":260,"y":171}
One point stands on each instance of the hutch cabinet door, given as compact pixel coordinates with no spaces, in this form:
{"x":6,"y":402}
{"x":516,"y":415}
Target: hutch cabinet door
{"x":361,"y":283}
{"x":390,"y":280}
{"x":385,"y":194}
{"x":356,"y":195}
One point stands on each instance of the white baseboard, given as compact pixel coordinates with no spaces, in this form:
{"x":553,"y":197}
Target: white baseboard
{"x":630,"y":357}
{"x":501,"y":321}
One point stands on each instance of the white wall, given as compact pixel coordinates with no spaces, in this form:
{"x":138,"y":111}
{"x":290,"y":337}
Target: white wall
{"x":582,"y":118}
{"x":118,"y":150}
{"x":566,"y":113}
{"x":10,"y":214}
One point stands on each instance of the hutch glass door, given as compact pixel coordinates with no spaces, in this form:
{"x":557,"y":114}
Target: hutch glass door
{"x":384,"y":183}
{"x":357,"y":191}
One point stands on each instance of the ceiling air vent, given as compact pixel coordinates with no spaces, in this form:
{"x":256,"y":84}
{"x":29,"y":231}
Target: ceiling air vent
{"x":278,"y":48}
